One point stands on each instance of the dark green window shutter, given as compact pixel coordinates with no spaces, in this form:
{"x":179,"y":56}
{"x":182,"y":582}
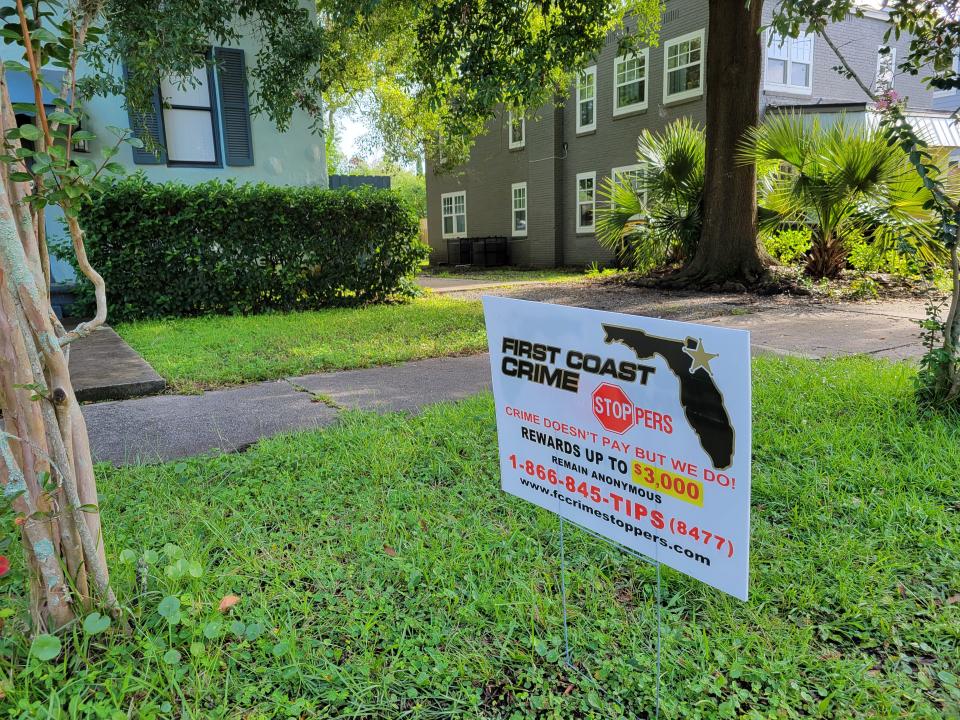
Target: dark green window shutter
{"x":234,"y":106}
{"x":148,"y":124}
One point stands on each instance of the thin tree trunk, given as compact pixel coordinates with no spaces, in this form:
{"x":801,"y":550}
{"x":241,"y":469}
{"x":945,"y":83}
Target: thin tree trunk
{"x":728,"y":251}
{"x":44,"y":432}
{"x":951,"y":340}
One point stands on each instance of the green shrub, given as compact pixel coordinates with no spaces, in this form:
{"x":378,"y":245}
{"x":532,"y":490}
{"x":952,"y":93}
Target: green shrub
{"x":870,"y":257}
{"x":788,"y":246}
{"x":170,"y":249}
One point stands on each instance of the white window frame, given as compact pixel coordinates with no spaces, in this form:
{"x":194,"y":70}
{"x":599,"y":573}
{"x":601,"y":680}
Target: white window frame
{"x":514,"y":208}
{"x":592,"y":176}
{"x":452,"y":196}
{"x":616,"y":172}
{"x":644,"y":53}
{"x":516,"y":145}
{"x":172,"y":90}
{"x":892,"y":54}
{"x":684,"y":94}
{"x":590,"y":71}
{"x":787,"y":88}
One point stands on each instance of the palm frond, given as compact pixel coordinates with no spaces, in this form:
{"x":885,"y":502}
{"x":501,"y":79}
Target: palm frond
{"x":840,"y":180}
{"x":667,"y":226}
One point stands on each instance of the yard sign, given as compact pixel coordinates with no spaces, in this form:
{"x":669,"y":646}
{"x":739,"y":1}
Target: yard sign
{"x":636,"y":428}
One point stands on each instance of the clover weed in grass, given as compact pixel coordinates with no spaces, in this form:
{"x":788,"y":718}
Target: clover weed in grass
{"x":201,"y":353}
{"x":382,"y":574}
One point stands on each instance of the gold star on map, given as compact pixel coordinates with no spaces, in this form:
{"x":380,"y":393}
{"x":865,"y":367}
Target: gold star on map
{"x":701,"y":358}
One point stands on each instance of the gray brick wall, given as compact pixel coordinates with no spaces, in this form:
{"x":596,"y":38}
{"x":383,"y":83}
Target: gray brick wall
{"x":859,"y":40}
{"x":554,"y":153}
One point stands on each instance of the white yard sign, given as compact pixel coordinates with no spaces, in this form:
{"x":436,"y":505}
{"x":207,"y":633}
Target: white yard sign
{"x":636,"y":428}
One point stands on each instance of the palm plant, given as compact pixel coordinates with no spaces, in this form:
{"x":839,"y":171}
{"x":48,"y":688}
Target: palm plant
{"x":655,"y":216}
{"x":841,"y":183}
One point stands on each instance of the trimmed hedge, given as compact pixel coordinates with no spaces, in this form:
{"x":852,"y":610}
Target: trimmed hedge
{"x":171,"y":249}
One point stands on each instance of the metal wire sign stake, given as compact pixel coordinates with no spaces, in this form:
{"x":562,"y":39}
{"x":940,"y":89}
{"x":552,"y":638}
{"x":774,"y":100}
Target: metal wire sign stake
{"x":636,"y":430}
{"x":563,"y":592}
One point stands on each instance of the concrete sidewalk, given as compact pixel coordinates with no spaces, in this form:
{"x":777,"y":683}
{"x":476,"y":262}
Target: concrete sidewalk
{"x":455,"y":285}
{"x":887,"y":330}
{"x":104,"y":367}
{"x":167,"y":427}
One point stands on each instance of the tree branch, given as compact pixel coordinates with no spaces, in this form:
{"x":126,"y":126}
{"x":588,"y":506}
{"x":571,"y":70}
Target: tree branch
{"x":846,"y":65}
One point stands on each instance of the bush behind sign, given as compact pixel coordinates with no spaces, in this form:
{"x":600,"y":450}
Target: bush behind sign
{"x":224,"y":248}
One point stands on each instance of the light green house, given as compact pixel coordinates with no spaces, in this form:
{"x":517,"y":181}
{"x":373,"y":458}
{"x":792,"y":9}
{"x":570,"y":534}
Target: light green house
{"x":205,"y":129}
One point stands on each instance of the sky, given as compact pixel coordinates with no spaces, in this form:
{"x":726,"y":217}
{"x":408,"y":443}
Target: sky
{"x":349,"y":131}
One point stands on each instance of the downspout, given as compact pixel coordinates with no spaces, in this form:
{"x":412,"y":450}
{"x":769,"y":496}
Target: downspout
{"x":560,"y":205}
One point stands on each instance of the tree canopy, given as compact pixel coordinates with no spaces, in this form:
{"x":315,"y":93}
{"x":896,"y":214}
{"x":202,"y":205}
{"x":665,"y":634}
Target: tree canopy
{"x":435,"y":72}
{"x":419,"y":72}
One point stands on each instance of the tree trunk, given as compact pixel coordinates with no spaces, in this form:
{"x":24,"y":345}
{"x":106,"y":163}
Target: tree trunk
{"x":949,"y":377}
{"x":828,"y":257}
{"x":728,"y":252}
{"x":45,"y":463}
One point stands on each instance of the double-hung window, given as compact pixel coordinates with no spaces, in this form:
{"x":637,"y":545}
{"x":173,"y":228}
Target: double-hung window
{"x":789,"y":65}
{"x":587,"y":99}
{"x":201,"y":119}
{"x":683,"y":67}
{"x":586,"y":201}
{"x":631,"y":176}
{"x":518,"y":131}
{"x":189,"y":119}
{"x":453,"y":212}
{"x":518,"y":209}
{"x":630,"y":82}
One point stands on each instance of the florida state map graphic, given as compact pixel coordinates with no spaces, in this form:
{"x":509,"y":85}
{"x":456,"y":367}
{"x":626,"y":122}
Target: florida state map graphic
{"x":700,"y":397}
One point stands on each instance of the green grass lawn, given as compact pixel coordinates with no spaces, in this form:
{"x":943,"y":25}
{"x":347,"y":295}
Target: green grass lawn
{"x":201,"y":353}
{"x":383,"y":574}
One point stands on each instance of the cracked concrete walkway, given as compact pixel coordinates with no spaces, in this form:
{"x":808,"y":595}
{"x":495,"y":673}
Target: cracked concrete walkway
{"x":166,"y":427}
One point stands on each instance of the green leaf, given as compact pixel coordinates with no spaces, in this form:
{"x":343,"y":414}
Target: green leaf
{"x":150,"y":556}
{"x":127,"y":556}
{"x":86,"y":167}
{"x":169,"y":607}
{"x":45,"y":647}
{"x":212,"y":629}
{"x":95,"y":623}
{"x":281,"y":648}
{"x":64,"y":118}
{"x":20,"y":176}
{"x":43,"y":35}
{"x":171,"y":657}
{"x":29,"y":131}
{"x":947,"y":678}
{"x":253,"y":631}
{"x":177,"y":570}
{"x":84,"y":135}
{"x":16,"y":66}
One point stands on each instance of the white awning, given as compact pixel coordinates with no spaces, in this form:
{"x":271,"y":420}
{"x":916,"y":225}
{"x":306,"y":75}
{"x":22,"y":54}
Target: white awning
{"x":936,"y":129}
